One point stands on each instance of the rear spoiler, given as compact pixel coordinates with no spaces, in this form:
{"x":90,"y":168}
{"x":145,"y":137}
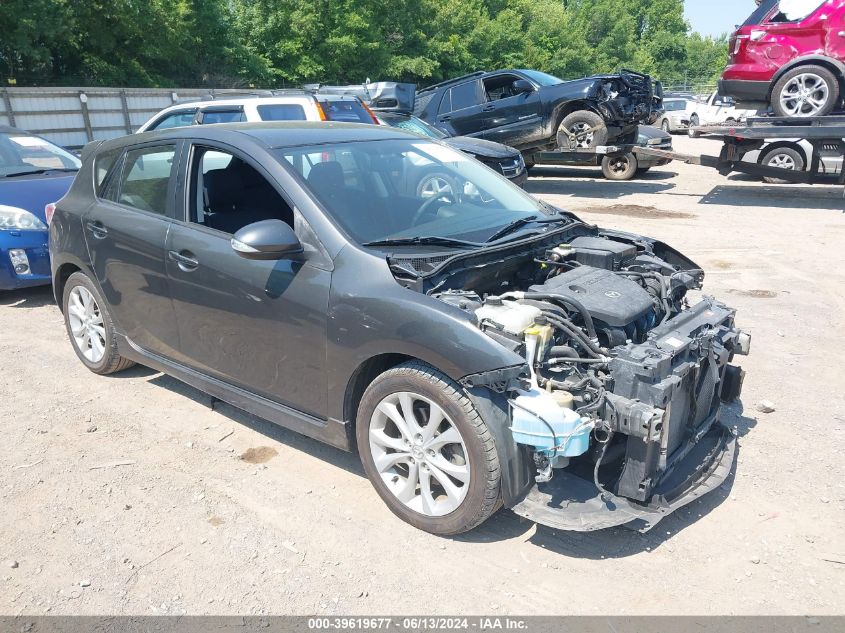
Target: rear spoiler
{"x":379,"y":95}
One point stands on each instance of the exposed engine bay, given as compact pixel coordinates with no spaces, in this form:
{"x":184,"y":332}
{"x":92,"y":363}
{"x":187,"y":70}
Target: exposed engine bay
{"x":624,"y":377}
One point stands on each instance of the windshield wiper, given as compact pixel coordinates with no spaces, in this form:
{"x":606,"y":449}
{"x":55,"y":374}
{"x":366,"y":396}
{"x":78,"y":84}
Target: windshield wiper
{"x":37,"y":171}
{"x":518,"y":224}
{"x":432,"y":240}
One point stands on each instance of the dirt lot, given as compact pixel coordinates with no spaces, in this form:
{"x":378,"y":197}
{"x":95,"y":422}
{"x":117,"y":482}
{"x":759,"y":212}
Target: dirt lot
{"x":129,"y":494}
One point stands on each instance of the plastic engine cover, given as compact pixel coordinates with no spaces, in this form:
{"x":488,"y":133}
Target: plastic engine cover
{"x":608,"y":297}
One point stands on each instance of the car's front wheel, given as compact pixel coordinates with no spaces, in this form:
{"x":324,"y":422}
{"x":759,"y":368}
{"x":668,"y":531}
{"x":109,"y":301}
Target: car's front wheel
{"x":427,"y":451}
{"x":90,"y":327}
{"x":587,"y":128}
{"x":805,"y":91}
{"x":666,"y":126}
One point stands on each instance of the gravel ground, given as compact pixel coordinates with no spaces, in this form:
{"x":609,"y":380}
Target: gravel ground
{"x":130,"y":495}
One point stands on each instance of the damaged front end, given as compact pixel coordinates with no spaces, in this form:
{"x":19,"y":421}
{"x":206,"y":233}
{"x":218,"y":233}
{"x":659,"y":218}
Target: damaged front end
{"x":617,"y":413}
{"x":628,"y":98}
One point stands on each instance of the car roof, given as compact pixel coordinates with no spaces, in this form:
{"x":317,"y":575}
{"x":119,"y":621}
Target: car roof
{"x":280,"y":98}
{"x":275,"y":134}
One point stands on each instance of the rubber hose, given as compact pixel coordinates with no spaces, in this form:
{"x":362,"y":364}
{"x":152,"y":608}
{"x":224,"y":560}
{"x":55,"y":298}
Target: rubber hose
{"x":574,"y":303}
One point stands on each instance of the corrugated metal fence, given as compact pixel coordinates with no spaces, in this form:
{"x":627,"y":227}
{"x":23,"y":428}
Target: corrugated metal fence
{"x":71,"y":117}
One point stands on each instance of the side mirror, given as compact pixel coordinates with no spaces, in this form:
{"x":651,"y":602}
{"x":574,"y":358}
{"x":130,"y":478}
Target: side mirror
{"x":521,"y":86}
{"x":267,"y":239}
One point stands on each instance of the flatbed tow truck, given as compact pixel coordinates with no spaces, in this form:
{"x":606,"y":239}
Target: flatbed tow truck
{"x":826,"y":135}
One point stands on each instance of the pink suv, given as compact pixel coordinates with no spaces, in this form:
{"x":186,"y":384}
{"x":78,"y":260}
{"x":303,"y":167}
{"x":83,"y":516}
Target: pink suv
{"x":789,"y":54}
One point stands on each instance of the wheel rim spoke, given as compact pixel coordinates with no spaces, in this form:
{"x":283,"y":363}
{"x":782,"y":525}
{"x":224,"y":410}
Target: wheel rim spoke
{"x":387,"y":461}
{"x":459,"y":472}
{"x":383,"y":439}
{"x":449,"y":436}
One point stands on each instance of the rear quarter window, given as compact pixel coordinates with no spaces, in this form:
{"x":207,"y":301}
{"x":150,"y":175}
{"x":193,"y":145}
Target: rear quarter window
{"x":281,"y":112}
{"x":346,"y":112}
{"x":105,"y":166}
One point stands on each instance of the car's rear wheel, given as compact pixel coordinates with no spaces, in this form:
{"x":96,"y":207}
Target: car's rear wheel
{"x":782,"y":158}
{"x":805,"y":91}
{"x":427,"y":451}
{"x":589,"y":127}
{"x":90,"y":327}
{"x":619,"y":167}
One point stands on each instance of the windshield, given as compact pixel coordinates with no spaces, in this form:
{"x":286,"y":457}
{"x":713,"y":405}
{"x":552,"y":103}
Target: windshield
{"x":411,"y":124}
{"x":542,"y":78}
{"x":26,"y":154}
{"x":409,"y":188}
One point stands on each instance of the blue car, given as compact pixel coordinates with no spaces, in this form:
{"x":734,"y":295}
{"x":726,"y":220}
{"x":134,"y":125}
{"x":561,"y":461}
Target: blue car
{"x":34,"y":173}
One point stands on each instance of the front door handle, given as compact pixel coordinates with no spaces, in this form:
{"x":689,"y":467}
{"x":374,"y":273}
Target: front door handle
{"x":445,"y":117}
{"x":184,"y":259}
{"x":97,"y":229}
{"x":841,"y":34}
{"x":488,"y":108}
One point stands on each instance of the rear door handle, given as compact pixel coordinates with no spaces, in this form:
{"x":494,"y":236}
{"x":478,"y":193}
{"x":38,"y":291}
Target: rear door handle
{"x":488,"y":108}
{"x":97,"y":229}
{"x":841,"y":33}
{"x":184,"y":259}
{"x":445,"y":117}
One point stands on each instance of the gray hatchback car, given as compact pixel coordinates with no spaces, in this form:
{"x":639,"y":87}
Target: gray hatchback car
{"x":478,"y":348}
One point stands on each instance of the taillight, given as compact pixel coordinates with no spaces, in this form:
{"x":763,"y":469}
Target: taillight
{"x":321,"y":113}
{"x":49,"y":210}
{"x":371,"y":113}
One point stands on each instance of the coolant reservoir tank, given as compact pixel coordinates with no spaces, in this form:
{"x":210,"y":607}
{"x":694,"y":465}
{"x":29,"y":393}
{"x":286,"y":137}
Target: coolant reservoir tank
{"x":513,"y":317}
{"x":538,"y":420}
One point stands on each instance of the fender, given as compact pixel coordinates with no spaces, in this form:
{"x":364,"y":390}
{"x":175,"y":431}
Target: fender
{"x":383,"y":317}
{"x":824,"y":60}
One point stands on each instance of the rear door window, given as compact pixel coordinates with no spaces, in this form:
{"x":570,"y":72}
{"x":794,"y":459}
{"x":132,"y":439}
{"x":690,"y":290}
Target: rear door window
{"x":459,"y":97}
{"x":175,"y":119}
{"x":146,"y":178}
{"x":281,"y":112}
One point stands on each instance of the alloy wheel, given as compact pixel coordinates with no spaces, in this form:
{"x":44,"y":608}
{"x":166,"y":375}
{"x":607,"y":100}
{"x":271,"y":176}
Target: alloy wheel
{"x":783,"y":161}
{"x":583,"y":142}
{"x":804,"y":95}
{"x":86,"y":324}
{"x":435,"y":186}
{"x":419,"y":454}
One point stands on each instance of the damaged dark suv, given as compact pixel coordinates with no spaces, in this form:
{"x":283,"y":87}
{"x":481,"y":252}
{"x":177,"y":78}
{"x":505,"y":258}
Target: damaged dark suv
{"x":534,"y":111}
{"x":477,"y":348}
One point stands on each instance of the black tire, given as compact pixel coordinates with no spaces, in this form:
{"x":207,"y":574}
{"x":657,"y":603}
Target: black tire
{"x":666,"y":126}
{"x":529,"y":161}
{"x":619,"y":167}
{"x":787,"y":155}
{"x":482,"y":497}
{"x":824,"y":75}
{"x":587,"y":120}
{"x":642,"y":170}
{"x":694,"y":121}
{"x":111,"y":361}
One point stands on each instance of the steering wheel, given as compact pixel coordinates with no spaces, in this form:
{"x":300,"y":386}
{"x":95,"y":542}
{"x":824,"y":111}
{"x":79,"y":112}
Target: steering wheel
{"x":426,"y":206}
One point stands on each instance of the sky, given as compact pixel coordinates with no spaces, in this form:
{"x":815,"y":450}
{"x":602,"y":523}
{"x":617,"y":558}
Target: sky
{"x":714,"y":17}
